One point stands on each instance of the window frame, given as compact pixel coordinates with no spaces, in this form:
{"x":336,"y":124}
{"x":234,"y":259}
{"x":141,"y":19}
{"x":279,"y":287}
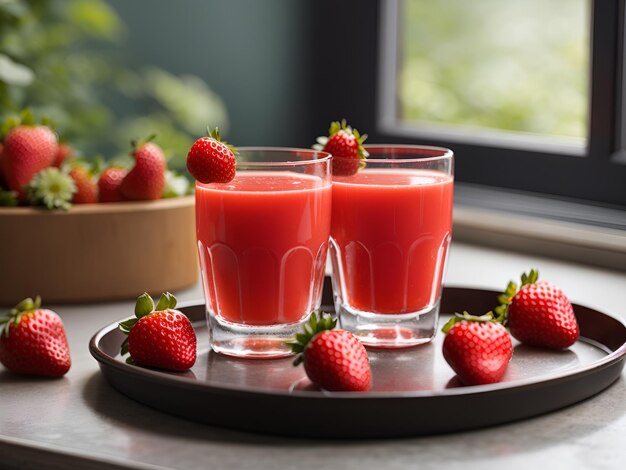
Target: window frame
{"x":533,"y":165}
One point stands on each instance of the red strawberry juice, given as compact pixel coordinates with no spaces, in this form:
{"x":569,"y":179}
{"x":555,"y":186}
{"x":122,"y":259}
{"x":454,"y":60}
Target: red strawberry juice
{"x":389,"y":235}
{"x":262,"y":240}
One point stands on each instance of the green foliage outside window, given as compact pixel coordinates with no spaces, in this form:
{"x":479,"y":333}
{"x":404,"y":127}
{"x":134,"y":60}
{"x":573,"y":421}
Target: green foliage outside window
{"x":513,"y":65}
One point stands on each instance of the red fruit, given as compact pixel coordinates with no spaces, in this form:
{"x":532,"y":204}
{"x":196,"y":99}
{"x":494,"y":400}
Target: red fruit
{"x":162,"y":338}
{"x":212,"y":161}
{"x":2,"y":183}
{"x":86,"y":188}
{"x":33,"y":341}
{"x":345,"y":144}
{"x":63,"y":152}
{"x":27,"y":151}
{"x":333,"y":359}
{"x":146,"y":180}
{"x":478,"y":351}
{"x":540,"y":314}
{"x":109,"y":185}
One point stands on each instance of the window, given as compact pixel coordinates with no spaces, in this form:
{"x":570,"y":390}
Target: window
{"x":561,"y":137}
{"x":494,"y":69}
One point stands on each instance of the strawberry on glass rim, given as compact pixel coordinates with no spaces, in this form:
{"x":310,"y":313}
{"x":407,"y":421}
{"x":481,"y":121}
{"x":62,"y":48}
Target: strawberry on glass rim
{"x":333,"y":359}
{"x":478,"y":348}
{"x":345,"y":144}
{"x":211,"y":160}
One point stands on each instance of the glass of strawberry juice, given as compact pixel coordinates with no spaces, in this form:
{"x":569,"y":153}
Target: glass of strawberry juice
{"x":262,"y":243}
{"x":390,"y":232}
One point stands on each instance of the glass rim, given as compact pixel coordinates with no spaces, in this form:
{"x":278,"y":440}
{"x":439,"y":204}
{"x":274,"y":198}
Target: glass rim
{"x":324,"y":156}
{"x":446,"y":153}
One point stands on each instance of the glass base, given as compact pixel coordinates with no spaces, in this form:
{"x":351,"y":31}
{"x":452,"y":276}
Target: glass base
{"x":252,"y":341}
{"x":388,"y":331}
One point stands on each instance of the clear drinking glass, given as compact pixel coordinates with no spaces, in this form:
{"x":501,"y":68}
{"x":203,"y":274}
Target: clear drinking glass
{"x":390,"y":232}
{"x":262,"y":242}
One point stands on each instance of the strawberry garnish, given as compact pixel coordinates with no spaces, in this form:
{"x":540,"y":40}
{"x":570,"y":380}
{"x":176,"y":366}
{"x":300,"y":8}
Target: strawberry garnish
{"x":33,"y":341}
{"x":478,"y":348}
{"x":210,"y":160}
{"x":333,"y":359}
{"x":109,"y":185}
{"x":145,"y":181}
{"x":345,"y":144}
{"x":539,"y":314}
{"x":159,"y":336}
{"x":27,"y":149}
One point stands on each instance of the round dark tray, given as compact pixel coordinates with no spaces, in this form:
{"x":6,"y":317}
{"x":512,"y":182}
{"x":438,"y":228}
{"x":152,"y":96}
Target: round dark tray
{"x":414,"y":391}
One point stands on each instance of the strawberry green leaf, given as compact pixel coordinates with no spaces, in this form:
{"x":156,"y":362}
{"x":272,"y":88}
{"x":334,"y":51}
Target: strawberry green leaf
{"x":314,"y":326}
{"x":127,"y":325}
{"x":530,"y":278}
{"x":163,"y":303}
{"x":27,"y":117}
{"x":8,"y":198}
{"x":466,"y":316}
{"x":144,"y":305}
{"x":8,"y":124}
{"x":166,"y":301}
{"x":124,"y":347}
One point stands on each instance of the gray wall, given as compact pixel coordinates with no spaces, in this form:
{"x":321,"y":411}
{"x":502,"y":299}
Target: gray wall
{"x":253,"y":53}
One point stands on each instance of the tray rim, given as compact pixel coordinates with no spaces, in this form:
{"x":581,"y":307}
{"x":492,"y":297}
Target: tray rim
{"x":500,"y":387}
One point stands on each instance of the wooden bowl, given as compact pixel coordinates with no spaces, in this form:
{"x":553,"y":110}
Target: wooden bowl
{"x":97,"y":252}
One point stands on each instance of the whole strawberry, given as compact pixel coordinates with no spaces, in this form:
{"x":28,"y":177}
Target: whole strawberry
{"x":33,"y":341}
{"x":333,"y":359}
{"x":63,"y":153}
{"x":86,"y":188}
{"x":345,"y":144}
{"x":477,"y":348}
{"x":145,"y":181}
{"x":540,"y":314}
{"x":28,"y":149}
{"x":161,"y":337}
{"x":109,"y":185}
{"x":212,"y":161}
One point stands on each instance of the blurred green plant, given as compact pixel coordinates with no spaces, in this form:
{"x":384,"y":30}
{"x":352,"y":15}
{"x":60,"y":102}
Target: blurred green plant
{"x":65,"y":60}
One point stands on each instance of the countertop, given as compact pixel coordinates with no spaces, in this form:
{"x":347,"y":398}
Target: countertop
{"x":81,"y":421}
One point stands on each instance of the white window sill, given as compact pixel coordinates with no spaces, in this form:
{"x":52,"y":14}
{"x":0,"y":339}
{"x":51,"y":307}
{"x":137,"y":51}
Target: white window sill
{"x":543,"y":226}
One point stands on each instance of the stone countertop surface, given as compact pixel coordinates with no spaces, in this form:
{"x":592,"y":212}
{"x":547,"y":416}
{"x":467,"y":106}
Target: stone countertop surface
{"x":80,"y":420}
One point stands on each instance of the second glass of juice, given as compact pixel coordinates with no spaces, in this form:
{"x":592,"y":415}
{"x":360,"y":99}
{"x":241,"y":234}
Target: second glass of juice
{"x":390,"y":233}
{"x":262,"y":242}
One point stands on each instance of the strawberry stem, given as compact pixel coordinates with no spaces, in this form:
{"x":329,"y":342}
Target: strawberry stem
{"x":144,"y":305}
